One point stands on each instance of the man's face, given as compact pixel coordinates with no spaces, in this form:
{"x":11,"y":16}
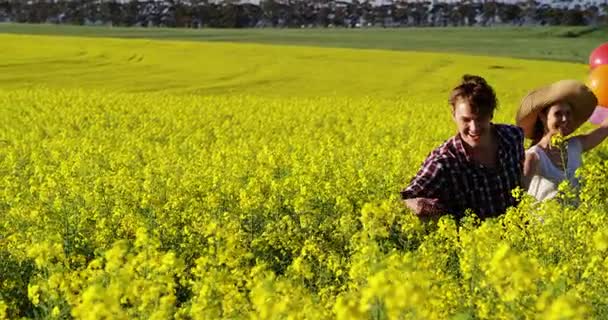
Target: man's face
{"x":473,"y":127}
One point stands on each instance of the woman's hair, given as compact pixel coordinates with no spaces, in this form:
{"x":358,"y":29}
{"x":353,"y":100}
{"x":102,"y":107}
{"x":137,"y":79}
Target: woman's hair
{"x":539,"y":127}
{"x":539,"y":131}
{"x":477,"y":93}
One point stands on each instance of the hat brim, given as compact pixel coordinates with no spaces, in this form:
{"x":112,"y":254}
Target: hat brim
{"x":575,"y":93}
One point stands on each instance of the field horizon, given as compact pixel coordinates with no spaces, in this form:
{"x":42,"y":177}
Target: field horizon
{"x":572,"y":44}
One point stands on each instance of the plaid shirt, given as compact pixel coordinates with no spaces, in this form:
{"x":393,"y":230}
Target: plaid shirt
{"x":450,"y":175}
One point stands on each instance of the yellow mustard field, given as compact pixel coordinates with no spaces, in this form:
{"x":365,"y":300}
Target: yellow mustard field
{"x":225,"y":181}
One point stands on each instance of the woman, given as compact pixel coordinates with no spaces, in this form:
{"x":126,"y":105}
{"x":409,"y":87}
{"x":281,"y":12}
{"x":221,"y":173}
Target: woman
{"x":547,"y":114}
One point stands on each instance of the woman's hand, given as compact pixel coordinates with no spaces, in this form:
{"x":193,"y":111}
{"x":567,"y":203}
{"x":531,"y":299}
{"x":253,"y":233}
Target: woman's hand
{"x":595,"y":137}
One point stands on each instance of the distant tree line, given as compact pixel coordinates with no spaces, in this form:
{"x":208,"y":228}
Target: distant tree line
{"x":297,"y":13}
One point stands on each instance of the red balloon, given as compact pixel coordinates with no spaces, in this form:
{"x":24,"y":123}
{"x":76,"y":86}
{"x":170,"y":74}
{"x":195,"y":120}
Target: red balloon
{"x":598,"y":83}
{"x":599,"y":56}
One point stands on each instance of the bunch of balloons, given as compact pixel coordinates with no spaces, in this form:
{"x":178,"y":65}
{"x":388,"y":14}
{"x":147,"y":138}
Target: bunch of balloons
{"x":598,"y":82}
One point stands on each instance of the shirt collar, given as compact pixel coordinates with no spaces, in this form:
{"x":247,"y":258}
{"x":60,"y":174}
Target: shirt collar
{"x":462,"y":151}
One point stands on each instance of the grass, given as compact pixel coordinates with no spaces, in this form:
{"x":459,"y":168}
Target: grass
{"x":551,"y":43}
{"x":205,"y":68}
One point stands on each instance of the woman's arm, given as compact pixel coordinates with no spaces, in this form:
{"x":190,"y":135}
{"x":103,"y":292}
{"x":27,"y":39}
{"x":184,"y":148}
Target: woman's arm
{"x":530,"y":168}
{"x":595,"y":137}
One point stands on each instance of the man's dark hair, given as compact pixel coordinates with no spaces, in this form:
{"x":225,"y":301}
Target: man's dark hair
{"x":477,"y":92}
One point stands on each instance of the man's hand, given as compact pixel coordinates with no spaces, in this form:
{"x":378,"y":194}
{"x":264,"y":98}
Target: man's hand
{"x":424,"y":207}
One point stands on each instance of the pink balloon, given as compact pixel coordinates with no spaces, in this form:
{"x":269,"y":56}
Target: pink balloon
{"x":599,"y":115}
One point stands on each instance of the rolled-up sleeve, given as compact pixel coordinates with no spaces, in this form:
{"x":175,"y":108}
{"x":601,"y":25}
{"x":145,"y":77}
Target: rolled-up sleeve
{"x":428,"y":181}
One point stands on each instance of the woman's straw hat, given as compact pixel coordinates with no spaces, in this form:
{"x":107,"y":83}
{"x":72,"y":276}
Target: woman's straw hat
{"x":575,"y":93}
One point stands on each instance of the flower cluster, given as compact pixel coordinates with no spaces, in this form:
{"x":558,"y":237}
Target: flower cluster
{"x":119,"y":206}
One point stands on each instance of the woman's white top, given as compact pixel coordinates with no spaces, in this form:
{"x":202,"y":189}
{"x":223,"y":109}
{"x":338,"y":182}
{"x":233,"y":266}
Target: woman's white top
{"x":548,"y":176}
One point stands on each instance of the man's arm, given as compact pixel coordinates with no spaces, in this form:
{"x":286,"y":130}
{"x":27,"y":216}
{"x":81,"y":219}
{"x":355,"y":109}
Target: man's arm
{"x":422,"y":195}
{"x":424,"y":207}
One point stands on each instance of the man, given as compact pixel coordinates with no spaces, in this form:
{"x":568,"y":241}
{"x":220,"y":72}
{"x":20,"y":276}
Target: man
{"x":477,"y":168}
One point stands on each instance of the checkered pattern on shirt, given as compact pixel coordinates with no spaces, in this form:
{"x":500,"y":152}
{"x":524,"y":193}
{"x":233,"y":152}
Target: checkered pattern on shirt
{"x":448,"y":174}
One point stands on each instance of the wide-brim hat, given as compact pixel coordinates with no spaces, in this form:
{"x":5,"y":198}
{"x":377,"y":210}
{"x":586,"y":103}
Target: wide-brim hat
{"x":575,"y":93}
